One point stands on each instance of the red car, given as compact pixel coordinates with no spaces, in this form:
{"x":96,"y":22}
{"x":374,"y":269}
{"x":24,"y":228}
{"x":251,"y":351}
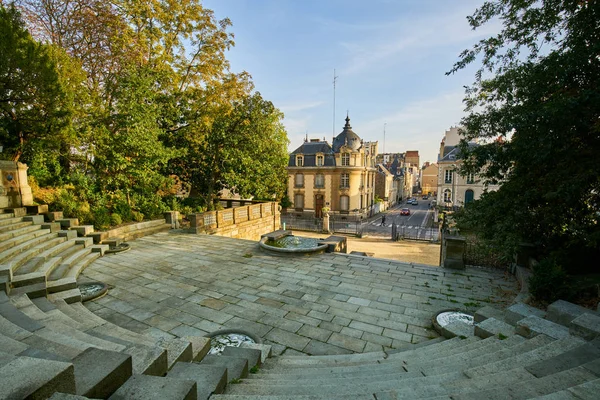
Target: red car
{"x":405,"y":211}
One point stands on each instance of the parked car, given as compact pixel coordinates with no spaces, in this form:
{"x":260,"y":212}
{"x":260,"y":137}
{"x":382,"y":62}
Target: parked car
{"x":405,"y":211}
{"x":425,"y":197}
{"x":415,"y":202}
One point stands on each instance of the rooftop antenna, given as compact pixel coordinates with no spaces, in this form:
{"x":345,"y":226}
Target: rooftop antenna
{"x":384,"y":124}
{"x":334,"y":81}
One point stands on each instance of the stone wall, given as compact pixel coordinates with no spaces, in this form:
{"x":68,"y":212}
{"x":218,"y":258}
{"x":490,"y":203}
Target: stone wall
{"x":243,"y":222}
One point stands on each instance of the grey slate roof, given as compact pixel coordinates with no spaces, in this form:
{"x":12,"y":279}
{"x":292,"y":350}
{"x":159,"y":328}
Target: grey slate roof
{"x":309,"y":150}
{"x":452,"y":153}
{"x":347,"y":137}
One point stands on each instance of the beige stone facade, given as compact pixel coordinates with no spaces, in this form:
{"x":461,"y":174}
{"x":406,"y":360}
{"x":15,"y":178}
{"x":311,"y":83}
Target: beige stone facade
{"x":429,"y":179}
{"x":340,"y":176}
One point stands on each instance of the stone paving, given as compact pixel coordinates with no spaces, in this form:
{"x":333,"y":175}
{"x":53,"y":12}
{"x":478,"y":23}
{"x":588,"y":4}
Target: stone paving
{"x":175,"y":284}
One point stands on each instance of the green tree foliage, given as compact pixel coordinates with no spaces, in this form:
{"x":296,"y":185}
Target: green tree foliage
{"x":535,"y":107}
{"x":33,"y":104}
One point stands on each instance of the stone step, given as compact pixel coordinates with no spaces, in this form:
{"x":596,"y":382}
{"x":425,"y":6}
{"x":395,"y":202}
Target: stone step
{"x":209,"y":378}
{"x":61,"y":285}
{"x":33,"y":290}
{"x":36,"y":262}
{"x":487,"y":358}
{"x":17,"y":317}
{"x":337,"y":380}
{"x":37,"y":209}
{"x":332,"y":360}
{"x":178,"y":350}
{"x":142,"y":387}
{"x":52,"y":216}
{"x":569,"y":359}
{"x":62,"y":270}
{"x":17,"y":247}
{"x":450,"y":362}
{"x":81,"y":265}
{"x":237,"y":368}
{"x":200,"y":346}
{"x":542,"y":353}
{"x":5,"y":214}
{"x":99,"y":373}
{"x":252,"y":355}
{"x":83,"y":230}
{"x":67,"y":222}
{"x":518,"y":311}
{"x":14,"y":331}
{"x":533,"y":325}
{"x":586,"y":326}
{"x":69,"y":296}
{"x":11,"y":346}
{"x":493,"y":327}
{"x":34,"y":219}
{"x":311,"y":397}
{"x":148,"y":360}
{"x":534,"y":387}
{"x":9,"y":219}
{"x":16,"y":211}
{"x":37,"y":378}
{"x":151,"y":230}
{"x":265,"y":349}
{"x":17,"y":230}
{"x":33,"y":253}
{"x":562,"y":312}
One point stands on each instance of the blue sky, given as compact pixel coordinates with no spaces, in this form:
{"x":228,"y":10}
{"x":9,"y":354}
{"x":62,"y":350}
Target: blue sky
{"x":390,"y":57}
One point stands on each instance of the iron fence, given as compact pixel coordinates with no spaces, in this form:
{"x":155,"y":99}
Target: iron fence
{"x":415,"y":233}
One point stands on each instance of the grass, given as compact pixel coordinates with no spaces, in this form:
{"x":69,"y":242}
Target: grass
{"x":247,"y":255}
{"x":472,"y":304}
{"x":235,"y":380}
{"x":254,"y":370}
{"x":501,"y":336}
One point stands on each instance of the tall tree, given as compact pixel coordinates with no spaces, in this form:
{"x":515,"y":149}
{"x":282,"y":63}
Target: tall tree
{"x":32,"y":99}
{"x":538,"y":90}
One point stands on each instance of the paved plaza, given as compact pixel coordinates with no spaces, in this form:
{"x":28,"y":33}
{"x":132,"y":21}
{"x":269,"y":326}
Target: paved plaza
{"x":176,"y":284}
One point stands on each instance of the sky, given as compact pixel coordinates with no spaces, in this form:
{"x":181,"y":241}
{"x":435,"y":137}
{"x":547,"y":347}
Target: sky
{"x":390,"y":58}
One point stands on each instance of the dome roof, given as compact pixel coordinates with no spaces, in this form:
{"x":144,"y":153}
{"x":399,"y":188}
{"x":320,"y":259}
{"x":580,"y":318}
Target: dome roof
{"x":347,"y":138}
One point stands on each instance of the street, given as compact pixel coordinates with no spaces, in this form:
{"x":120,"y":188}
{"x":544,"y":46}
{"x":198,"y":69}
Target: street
{"x":410,"y":226}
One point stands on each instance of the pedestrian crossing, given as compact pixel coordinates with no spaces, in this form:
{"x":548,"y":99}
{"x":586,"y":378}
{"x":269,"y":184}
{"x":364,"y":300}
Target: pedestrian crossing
{"x":375,"y":223}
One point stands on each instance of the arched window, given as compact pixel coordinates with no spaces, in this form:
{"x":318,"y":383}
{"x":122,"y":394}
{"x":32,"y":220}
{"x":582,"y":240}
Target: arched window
{"x":447,"y":196}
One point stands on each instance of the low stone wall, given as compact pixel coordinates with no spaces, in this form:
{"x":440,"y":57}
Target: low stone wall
{"x":14,"y":189}
{"x":244,"y":222}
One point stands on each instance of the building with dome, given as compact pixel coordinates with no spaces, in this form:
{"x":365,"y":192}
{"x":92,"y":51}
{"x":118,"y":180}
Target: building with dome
{"x":340,"y":176}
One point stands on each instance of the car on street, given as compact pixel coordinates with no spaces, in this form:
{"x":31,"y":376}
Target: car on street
{"x":405,"y":211}
{"x":415,"y":202}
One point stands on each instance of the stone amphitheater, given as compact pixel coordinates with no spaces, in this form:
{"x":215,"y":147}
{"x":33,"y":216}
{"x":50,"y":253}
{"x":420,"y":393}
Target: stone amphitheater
{"x":332,"y":326}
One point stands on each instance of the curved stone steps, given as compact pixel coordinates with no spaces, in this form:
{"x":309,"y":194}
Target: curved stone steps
{"x":8,"y":219}
{"x":81,"y":264}
{"x":15,"y":246}
{"x":36,"y":264}
{"x":20,"y":260}
{"x":17,"y":230}
{"x":65,"y":265}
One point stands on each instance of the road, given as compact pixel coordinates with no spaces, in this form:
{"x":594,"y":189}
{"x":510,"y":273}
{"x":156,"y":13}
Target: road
{"x":409,"y":226}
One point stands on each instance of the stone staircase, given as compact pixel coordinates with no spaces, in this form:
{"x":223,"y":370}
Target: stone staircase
{"x":52,"y":346}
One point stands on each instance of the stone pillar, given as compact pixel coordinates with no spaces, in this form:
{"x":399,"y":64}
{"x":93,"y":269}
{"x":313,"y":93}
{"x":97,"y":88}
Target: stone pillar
{"x":454,"y":252}
{"x":172,"y":217}
{"x":14,"y":188}
{"x":326,"y":223}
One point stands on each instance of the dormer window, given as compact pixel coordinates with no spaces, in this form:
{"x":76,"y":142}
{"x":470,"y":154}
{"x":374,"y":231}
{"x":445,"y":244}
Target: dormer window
{"x":319,"y":161}
{"x":345,"y":159}
{"x":299,"y":161}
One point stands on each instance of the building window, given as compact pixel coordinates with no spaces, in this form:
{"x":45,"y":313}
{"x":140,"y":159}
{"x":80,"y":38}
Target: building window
{"x":362,"y":180}
{"x":319,"y":181}
{"x":447,"y":196}
{"x":319,"y":161}
{"x":299,"y":161}
{"x":299,"y":182}
{"x":448,"y":176}
{"x":345,"y":159}
{"x":469,"y":196}
{"x":470,"y":178}
{"x":299,"y":201}
{"x":344,"y":203}
{"x":345,"y":181}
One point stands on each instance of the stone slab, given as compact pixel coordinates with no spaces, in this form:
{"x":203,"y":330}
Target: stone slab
{"x":68,"y":234}
{"x":488,"y":312}
{"x":278,"y":234}
{"x":567,"y":360}
{"x":17,"y":317}
{"x":52,"y":216}
{"x":562,"y":312}
{"x":493,"y":327}
{"x":237,"y":368}
{"x":336,"y":244}
{"x":51,"y":226}
{"x":68,"y":222}
{"x":518,"y":311}
{"x":253,"y":356}
{"x":209,"y":378}
{"x":35,"y":219}
{"x":459,"y":329}
{"x":26,"y":377}
{"x":531,"y":326}
{"x":586,"y":325}
{"x":143,"y":387}
{"x":99,"y":373}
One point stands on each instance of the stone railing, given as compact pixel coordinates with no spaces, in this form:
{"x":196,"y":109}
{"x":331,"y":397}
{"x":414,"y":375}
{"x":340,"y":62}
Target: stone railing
{"x":249,"y":220}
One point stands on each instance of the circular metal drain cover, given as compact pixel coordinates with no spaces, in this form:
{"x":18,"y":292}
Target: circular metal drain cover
{"x":92,"y":290}
{"x":447,"y":317}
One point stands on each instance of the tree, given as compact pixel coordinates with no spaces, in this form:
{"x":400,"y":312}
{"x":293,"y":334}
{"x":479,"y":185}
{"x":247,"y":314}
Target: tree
{"x":537,"y":90}
{"x":32,"y":98}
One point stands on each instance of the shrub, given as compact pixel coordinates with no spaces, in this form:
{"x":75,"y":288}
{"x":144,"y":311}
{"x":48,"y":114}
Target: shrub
{"x":137,"y":216}
{"x":123,"y":209}
{"x":150,"y":205}
{"x":549,"y":282}
{"x":115,"y":219}
{"x":102,"y":219}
